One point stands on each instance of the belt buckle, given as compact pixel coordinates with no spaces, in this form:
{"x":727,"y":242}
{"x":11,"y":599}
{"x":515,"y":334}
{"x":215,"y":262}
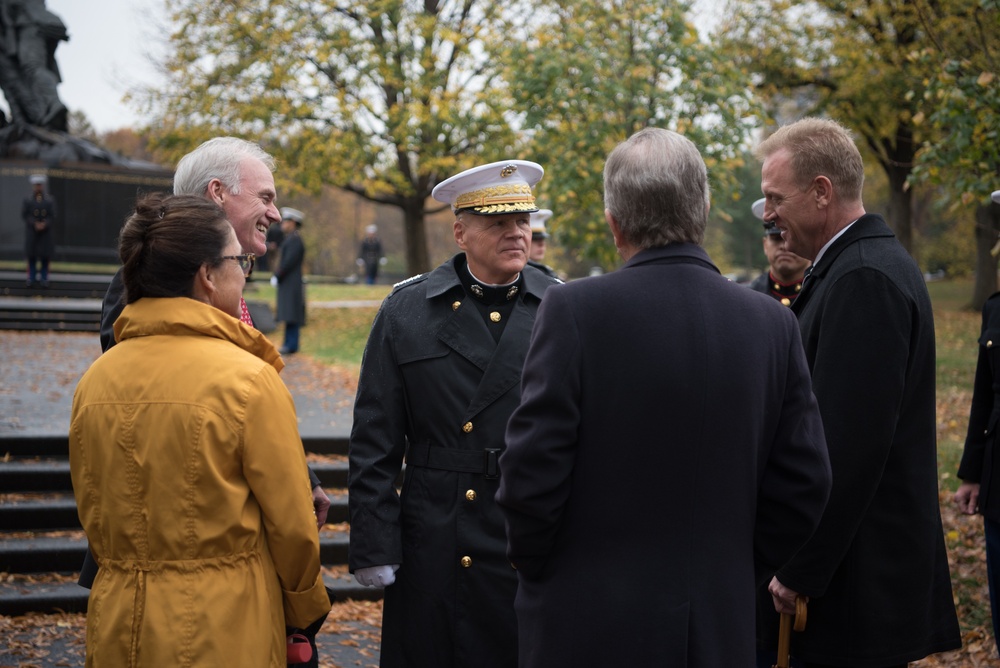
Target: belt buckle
{"x":491,"y":465}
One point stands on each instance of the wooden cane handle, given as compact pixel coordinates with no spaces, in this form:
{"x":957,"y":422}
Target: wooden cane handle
{"x":801,"y":614}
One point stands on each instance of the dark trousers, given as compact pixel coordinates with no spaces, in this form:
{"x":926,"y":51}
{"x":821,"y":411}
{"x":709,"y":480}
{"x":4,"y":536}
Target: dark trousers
{"x":991,"y":528}
{"x":33,"y":268}
{"x":291,"y":337}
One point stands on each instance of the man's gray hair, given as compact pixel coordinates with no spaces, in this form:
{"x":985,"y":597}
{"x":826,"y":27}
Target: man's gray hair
{"x":219,"y":158}
{"x":656,"y":187}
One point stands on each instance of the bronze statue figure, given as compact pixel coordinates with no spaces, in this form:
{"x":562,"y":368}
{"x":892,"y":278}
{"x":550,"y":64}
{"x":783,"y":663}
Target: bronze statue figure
{"x":29,"y":35}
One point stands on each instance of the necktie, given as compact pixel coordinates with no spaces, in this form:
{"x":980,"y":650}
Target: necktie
{"x":244,"y":313}
{"x":805,"y":276}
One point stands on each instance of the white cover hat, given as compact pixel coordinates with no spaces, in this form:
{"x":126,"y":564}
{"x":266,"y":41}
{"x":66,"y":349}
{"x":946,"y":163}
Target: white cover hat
{"x":538,"y":219}
{"x":493,"y":189}
{"x":288,"y":213}
{"x":758,"y":208}
{"x":996,"y":196}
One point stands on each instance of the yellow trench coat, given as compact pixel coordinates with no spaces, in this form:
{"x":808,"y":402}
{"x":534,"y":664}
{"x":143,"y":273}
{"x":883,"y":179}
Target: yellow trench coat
{"x":190,"y":481}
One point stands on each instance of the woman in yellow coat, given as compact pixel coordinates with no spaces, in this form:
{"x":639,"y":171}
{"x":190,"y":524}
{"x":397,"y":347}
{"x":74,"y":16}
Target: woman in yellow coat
{"x":188,"y":470}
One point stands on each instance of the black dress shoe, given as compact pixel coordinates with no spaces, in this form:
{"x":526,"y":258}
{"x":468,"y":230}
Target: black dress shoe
{"x":286,"y":351}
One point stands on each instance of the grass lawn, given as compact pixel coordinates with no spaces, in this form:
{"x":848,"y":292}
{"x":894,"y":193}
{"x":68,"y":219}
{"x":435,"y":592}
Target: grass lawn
{"x":333,"y":335}
{"x":957,"y":332}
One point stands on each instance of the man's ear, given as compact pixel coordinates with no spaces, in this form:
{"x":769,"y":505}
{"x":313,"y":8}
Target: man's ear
{"x":823,"y":188}
{"x":216,"y":191}
{"x":616,"y":231}
{"x":458,"y":228}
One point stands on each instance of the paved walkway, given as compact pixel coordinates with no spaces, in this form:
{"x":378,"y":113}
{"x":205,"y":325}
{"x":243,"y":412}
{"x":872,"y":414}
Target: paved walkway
{"x":41,"y":370}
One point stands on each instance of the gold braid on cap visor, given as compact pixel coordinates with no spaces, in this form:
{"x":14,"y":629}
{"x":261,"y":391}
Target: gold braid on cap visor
{"x":498,"y":199}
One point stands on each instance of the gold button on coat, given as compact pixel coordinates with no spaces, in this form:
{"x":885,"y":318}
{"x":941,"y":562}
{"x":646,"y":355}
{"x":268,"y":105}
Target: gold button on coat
{"x":989,"y":344}
{"x":466,"y":562}
{"x":471,"y":495}
{"x":495,"y":316}
{"x":467,"y":427}
{"x":455,"y":305}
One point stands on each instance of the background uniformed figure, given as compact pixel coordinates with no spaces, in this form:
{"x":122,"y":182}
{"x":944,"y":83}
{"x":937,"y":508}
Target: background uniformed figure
{"x":539,"y":242}
{"x":370,"y":254}
{"x":288,"y":278}
{"x":661,"y":367}
{"x":439,"y":378}
{"x":783,"y":278}
{"x":38,"y":211}
{"x":980,"y":462}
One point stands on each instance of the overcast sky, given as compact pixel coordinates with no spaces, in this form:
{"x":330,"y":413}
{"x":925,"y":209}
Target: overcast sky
{"x":109,"y":50}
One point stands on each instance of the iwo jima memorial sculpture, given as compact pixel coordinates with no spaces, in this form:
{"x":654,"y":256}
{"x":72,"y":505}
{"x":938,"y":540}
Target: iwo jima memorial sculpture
{"x":94,"y":188}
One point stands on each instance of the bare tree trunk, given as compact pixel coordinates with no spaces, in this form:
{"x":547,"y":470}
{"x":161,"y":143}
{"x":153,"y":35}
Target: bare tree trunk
{"x":987,"y":236}
{"x":415,"y":231}
{"x":900,"y":213}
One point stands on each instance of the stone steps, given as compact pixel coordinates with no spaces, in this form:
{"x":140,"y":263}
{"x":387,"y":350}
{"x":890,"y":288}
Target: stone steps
{"x":55,"y":512}
{"x":19,"y":598}
{"x":61,"y":285}
{"x":69,"y":303}
{"x":63,"y":554}
{"x":42,"y":546}
{"x":52,"y":475}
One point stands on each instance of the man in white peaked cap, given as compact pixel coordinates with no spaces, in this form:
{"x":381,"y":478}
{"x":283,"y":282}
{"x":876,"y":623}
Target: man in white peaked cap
{"x":539,"y":241}
{"x":439,"y":378}
{"x":38,"y":211}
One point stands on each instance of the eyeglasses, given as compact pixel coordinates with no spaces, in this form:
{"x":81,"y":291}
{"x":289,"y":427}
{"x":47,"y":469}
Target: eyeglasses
{"x":246,"y":262}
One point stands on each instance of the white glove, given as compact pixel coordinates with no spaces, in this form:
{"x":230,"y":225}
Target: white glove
{"x":274,"y":281}
{"x":360,"y":262}
{"x":382,"y":260}
{"x":377,"y":576}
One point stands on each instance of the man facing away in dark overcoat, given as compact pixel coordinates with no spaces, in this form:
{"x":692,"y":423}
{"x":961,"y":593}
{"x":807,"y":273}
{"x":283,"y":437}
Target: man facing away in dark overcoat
{"x":667,"y":455}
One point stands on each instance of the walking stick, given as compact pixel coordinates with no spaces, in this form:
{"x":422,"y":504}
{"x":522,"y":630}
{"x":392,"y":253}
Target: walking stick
{"x":785,"y":630}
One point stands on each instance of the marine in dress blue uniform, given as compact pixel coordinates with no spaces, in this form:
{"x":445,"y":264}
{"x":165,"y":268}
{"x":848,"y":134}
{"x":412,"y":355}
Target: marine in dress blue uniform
{"x":439,"y":379}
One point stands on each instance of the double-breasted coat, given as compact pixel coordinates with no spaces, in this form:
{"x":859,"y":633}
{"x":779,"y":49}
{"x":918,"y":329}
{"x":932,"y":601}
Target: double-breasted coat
{"x":38,"y":240}
{"x":436,"y":387}
{"x":876,"y":570}
{"x":291,"y":289}
{"x":666,"y":457}
{"x":190,"y":481}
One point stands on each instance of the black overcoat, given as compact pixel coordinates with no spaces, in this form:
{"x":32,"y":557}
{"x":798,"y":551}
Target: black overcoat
{"x":876,"y":569}
{"x":666,"y":458}
{"x":436,"y":387}
{"x":979,"y":459}
{"x":38,"y":243}
{"x":291,"y":288}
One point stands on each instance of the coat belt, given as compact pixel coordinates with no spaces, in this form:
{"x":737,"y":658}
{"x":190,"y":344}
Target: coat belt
{"x":459,"y":461}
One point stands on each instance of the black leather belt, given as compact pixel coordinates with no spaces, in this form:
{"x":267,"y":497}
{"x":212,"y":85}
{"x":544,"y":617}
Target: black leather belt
{"x":459,"y":461}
